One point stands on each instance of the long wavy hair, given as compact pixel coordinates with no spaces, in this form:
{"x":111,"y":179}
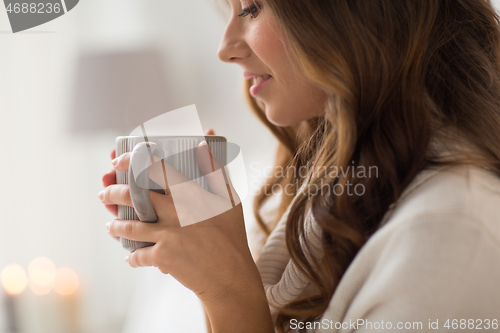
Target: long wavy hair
{"x":398,"y":74}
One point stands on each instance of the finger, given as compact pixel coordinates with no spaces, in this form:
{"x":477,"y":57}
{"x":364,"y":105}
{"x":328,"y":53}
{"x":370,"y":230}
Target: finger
{"x":115,"y":237}
{"x":165,"y":175}
{"x":109,"y":178}
{"x":121,"y":163}
{"x":113,"y":209}
{"x":209,"y":132}
{"x":141,"y":257}
{"x":167,"y":213}
{"x":116,"y":195}
{"x":215,"y":173}
{"x":133,"y":230}
{"x":113,"y":154}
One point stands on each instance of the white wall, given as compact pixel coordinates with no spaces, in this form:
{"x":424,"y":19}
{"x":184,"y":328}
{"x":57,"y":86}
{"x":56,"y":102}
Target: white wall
{"x":51,"y":177}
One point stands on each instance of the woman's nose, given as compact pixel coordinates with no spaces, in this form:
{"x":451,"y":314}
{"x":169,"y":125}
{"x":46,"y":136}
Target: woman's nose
{"x":233,"y":47}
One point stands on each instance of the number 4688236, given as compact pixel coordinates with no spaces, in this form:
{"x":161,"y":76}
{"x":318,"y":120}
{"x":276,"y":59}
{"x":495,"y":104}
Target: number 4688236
{"x":34,"y":8}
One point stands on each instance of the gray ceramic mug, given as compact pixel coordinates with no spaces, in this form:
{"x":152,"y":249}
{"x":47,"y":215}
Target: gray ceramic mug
{"x":178,"y":151}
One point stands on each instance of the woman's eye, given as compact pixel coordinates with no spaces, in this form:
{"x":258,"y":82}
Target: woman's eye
{"x":253,"y":11}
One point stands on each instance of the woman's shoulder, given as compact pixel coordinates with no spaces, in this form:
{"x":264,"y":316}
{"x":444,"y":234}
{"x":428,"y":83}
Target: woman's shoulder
{"x":461,"y":193}
{"x":435,"y":258}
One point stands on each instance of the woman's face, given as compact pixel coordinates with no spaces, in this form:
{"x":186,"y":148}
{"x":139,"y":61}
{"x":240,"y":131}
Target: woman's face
{"x":254,"y":40}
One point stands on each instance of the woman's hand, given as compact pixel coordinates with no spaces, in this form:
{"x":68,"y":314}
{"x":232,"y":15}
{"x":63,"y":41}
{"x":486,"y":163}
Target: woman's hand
{"x":210,"y":257}
{"x":110,"y":178}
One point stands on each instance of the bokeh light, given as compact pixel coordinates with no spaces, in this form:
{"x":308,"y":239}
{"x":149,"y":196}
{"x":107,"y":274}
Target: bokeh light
{"x":14,"y":279}
{"x":66,"y":281}
{"x":42,"y":273}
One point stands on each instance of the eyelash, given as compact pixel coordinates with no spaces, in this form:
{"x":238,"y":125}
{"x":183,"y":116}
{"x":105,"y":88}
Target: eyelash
{"x":253,"y":11}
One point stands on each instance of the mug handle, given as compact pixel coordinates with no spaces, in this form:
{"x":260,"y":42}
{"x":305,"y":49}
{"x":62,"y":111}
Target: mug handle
{"x":140,"y":185}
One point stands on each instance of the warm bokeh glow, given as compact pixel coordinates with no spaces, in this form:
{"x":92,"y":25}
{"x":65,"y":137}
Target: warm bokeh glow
{"x":66,"y":282}
{"x":14,"y":279}
{"x":42,"y":273}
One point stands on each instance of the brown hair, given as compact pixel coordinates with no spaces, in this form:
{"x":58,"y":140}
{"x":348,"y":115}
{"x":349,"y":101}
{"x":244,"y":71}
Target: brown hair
{"x":398,"y":74}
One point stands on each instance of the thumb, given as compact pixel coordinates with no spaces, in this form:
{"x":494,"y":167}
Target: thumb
{"x":215,"y":173}
{"x":210,"y":131}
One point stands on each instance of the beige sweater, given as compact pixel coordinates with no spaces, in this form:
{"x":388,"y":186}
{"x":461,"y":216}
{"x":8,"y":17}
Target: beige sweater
{"x":436,"y":257}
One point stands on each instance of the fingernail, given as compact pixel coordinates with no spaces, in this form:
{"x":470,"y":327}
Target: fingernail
{"x":126,"y":258}
{"x":205,"y":143}
{"x":108,"y":225}
{"x":115,"y":162}
{"x":101,"y":196}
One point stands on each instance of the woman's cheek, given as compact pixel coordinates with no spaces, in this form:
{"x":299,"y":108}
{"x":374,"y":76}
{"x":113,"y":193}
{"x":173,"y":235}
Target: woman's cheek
{"x":267,"y":42}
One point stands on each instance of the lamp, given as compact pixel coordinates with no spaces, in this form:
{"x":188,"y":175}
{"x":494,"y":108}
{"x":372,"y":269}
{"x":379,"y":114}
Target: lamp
{"x":119,"y":90}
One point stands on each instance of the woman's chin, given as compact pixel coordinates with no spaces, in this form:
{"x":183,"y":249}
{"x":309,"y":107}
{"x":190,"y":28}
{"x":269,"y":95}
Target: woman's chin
{"x":276,"y":122}
{"x":277,"y":118}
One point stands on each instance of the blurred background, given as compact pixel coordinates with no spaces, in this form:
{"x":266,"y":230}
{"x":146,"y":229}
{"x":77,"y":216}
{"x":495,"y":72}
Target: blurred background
{"x":67,"y":89}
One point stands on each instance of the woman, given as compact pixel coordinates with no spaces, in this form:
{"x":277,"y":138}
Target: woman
{"x":406,"y":89}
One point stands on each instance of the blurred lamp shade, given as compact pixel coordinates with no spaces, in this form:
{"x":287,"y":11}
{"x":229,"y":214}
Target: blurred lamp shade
{"x":118,"y":90}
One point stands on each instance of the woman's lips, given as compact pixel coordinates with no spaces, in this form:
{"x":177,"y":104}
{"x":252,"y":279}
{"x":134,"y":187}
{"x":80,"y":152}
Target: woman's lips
{"x":259,"y":82}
